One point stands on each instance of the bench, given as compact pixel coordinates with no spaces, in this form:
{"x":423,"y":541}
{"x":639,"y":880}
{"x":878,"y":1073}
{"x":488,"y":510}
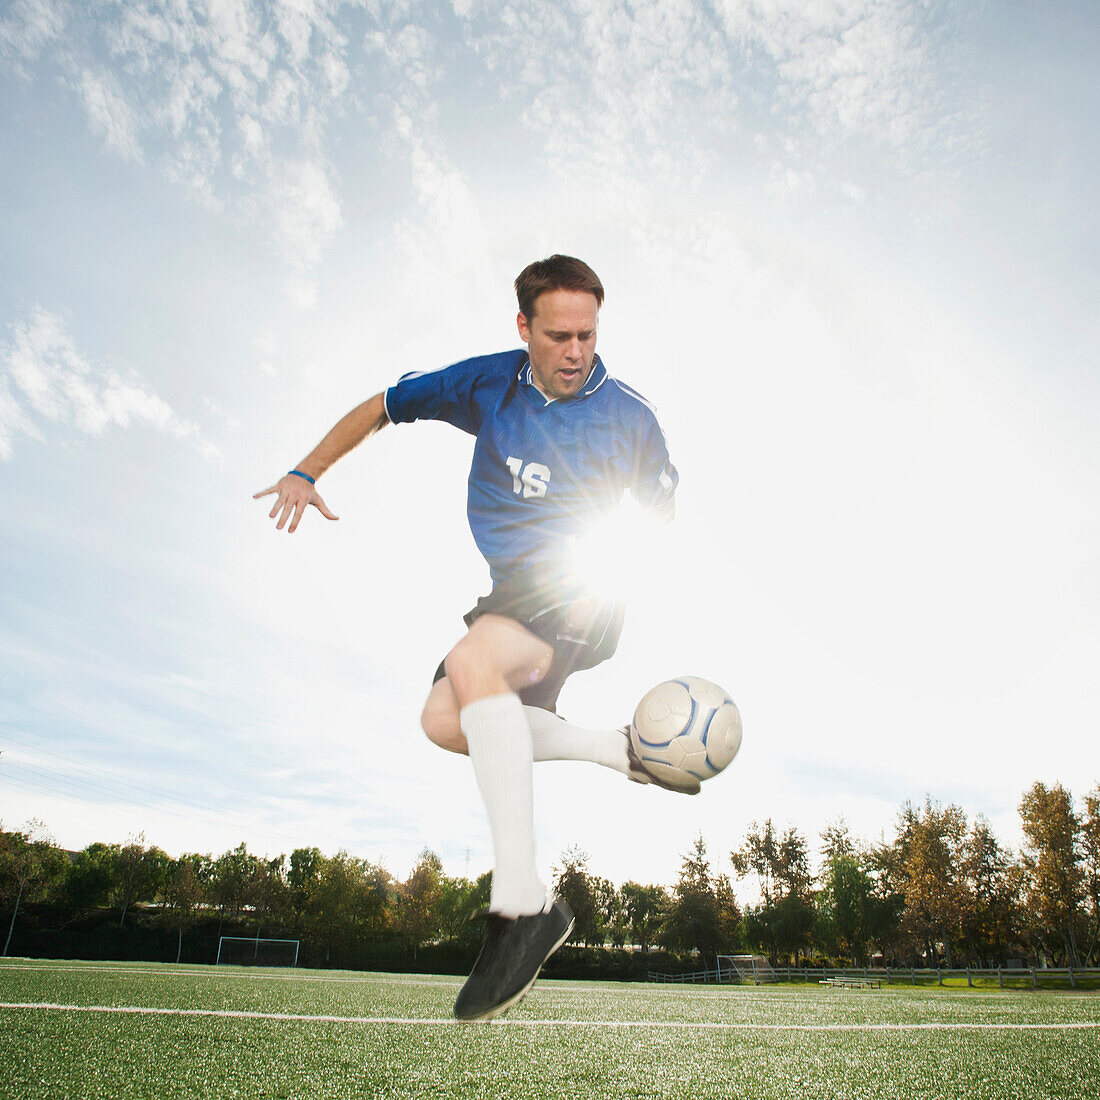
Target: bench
{"x":852,"y":983}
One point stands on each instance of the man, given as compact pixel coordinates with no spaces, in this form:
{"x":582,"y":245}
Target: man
{"x":558,"y":441}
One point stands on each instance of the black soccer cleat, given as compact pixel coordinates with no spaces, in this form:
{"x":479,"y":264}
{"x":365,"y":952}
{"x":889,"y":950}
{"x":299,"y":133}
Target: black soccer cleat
{"x":511,"y":957}
{"x":639,"y":773}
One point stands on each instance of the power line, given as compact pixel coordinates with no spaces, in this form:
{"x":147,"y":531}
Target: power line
{"x":91,"y":785}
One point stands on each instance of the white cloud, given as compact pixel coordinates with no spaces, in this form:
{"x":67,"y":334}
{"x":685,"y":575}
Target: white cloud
{"x":266,"y":349}
{"x":231,"y":420}
{"x":234,"y":100}
{"x":624,"y":91}
{"x":231,"y":99}
{"x":13,"y":421}
{"x":26,"y":29}
{"x":665,"y":93}
{"x":851,"y":66}
{"x":306,"y":211}
{"x":442,"y":241}
{"x":43,"y":377}
{"x":109,"y":114}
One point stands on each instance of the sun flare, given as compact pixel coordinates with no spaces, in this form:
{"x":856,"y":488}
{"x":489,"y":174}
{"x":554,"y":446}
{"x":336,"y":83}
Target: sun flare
{"x":617,"y":557}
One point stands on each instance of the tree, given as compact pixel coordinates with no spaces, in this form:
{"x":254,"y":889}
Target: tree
{"x":930,"y":848}
{"x":421,"y":893}
{"x":693,"y":920}
{"x":991,"y":918}
{"x":355,"y":900}
{"x":268,"y":893}
{"x":793,"y":876}
{"x":836,"y":840}
{"x":184,"y":891}
{"x":610,"y":920}
{"x":1090,"y":857}
{"x":137,"y":873}
{"x":783,"y":922}
{"x":459,"y":900}
{"x":88,"y":878}
{"x":845,"y":901}
{"x":882,"y":862}
{"x":729,"y":913}
{"x":644,"y":909}
{"x":29,"y":862}
{"x":375,"y":892}
{"x":1055,"y":876}
{"x":234,"y":875}
{"x":573,"y":884}
{"x":304,"y":877}
{"x":760,"y":856}
{"x":844,"y":905}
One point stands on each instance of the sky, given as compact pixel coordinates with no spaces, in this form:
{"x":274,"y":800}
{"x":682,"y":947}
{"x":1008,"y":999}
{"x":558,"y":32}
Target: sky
{"x":850,"y":250}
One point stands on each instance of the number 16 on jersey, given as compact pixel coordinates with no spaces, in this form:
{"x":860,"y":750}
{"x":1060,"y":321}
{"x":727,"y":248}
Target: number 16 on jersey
{"x":531,"y":479}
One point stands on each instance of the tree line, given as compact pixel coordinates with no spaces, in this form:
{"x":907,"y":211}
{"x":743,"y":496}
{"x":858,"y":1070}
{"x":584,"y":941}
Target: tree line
{"x":943,"y":890}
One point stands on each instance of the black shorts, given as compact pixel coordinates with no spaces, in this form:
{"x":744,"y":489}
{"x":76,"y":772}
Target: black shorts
{"x":583,"y":631}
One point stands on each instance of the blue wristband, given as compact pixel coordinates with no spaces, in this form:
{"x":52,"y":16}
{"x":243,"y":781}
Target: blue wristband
{"x":305,"y":477}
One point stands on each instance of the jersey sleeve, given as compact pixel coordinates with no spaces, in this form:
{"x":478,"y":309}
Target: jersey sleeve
{"x":454,"y":394}
{"x":654,"y":479}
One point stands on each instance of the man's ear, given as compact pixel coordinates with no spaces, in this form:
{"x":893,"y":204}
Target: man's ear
{"x":524,"y":327}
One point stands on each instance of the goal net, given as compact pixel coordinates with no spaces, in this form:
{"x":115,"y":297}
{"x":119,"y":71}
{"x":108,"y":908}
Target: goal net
{"x":256,"y":951}
{"x":754,"y":969}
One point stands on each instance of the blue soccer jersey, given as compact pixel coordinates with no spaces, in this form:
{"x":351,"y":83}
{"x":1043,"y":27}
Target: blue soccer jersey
{"x":543,"y":470}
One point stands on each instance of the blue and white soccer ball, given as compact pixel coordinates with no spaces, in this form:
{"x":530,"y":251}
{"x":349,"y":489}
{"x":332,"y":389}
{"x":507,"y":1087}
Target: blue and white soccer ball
{"x":685,"y":730}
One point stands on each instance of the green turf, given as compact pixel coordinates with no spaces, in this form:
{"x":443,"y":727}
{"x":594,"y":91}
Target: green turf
{"x":569,"y":1039}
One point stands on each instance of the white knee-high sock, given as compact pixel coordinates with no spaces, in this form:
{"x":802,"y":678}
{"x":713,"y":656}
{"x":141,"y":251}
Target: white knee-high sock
{"x":553,"y":738}
{"x":499,"y":742}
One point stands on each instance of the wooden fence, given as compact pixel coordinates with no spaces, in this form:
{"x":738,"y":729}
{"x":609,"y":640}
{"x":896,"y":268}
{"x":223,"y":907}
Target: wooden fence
{"x":1035,"y":976}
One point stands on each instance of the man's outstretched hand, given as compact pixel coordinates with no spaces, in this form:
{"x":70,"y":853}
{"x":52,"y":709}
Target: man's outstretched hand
{"x":295,"y":495}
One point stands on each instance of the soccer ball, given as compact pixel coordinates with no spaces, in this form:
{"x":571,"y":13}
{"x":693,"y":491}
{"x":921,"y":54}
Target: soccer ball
{"x":686,"y":729}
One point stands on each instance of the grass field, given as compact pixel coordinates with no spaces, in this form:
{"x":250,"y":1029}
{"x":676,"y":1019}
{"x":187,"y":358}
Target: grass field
{"x":86,"y":1030}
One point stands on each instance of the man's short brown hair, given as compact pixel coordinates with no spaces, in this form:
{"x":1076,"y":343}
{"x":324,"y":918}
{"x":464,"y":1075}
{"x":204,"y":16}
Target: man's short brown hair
{"x":555,"y":273}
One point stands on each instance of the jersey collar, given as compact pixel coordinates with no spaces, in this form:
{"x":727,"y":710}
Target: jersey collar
{"x":595,"y":380}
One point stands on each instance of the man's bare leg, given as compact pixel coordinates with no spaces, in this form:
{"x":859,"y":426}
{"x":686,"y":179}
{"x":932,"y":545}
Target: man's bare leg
{"x":525,"y":927}
{"x":484,"y":668}
{"x":552,"y":737}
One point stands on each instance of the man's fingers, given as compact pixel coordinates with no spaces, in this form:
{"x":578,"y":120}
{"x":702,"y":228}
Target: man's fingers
{"x":288,"y":508}
{"x":291,"y":503}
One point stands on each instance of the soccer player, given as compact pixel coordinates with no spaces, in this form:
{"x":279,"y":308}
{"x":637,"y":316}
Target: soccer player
{"x":558,"y":442}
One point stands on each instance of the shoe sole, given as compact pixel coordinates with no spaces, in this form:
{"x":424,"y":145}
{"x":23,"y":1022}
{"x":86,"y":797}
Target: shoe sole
{"x":645,"y":779}
{"x":500,"y":1009}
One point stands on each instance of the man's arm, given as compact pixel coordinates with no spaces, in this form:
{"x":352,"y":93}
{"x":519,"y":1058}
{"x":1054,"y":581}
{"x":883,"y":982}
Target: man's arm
{"x":295,"y":493}
{"x":654,"y":480}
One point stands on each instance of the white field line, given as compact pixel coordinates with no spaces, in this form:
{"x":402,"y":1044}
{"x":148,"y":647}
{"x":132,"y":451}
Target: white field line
{"x":667,"y":990}
{"x":223,"y":972}
{"x":639,"y":1025}
{"x":774,"y":994}
{"x":649,"y":989}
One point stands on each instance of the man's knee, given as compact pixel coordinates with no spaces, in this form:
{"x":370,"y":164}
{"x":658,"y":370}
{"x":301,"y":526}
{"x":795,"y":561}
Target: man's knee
{"x":468,"y":656}
{"x":439,"y":720}
{"x":497,"y":654}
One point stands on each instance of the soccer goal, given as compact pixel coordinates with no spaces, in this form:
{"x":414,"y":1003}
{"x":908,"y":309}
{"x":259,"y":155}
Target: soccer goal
{"x":746,"y":968}
{"x":256,"y":951}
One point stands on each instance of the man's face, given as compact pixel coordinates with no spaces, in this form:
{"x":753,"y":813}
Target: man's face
{"x":561,"y":340}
